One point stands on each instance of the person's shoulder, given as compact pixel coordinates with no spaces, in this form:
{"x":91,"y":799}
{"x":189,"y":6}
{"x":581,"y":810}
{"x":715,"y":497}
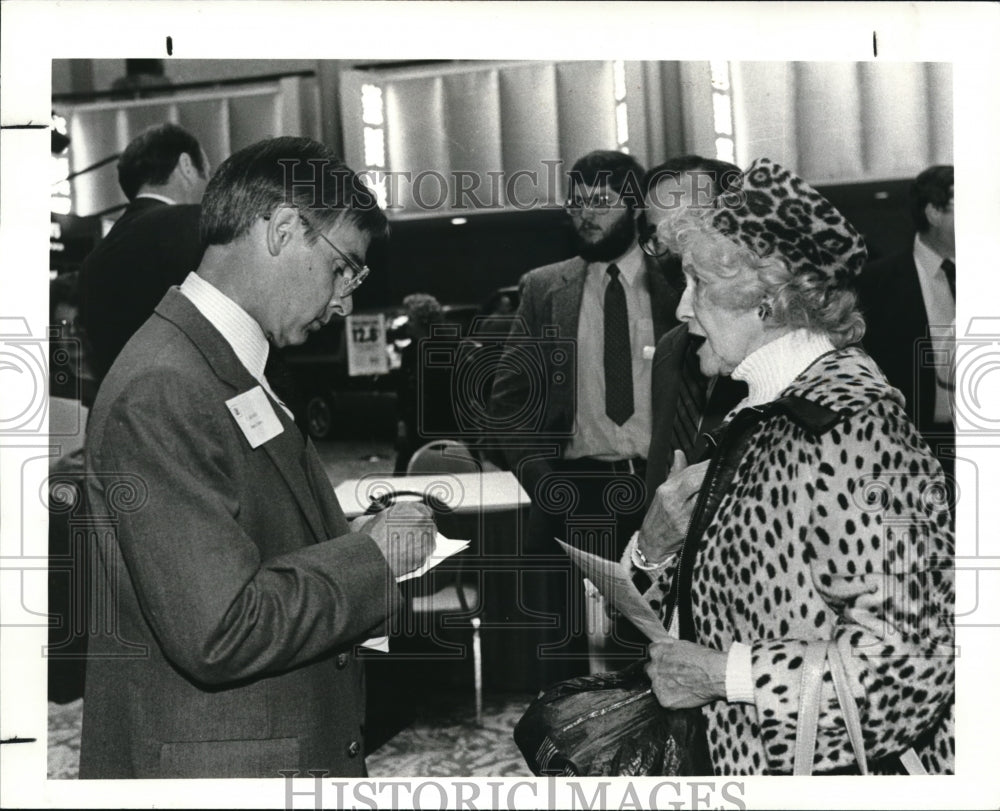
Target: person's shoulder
{"x":672,"y":340}
{"x":554,"y":272}
{"x":177,"y":216}
{"x":159,"y":364}
{"x":844,"y":380}
{"x":887,"y":266}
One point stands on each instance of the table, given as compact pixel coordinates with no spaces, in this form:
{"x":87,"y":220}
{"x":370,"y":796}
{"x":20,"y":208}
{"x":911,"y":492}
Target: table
{"x":487,"y":492}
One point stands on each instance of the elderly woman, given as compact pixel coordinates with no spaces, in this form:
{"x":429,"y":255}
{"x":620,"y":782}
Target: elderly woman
{"x":820,"y":516}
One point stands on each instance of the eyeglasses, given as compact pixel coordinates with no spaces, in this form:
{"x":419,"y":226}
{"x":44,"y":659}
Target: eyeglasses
{"x":599,"y":205}
{"x":650,"y":241}
{"x":358,"y":272}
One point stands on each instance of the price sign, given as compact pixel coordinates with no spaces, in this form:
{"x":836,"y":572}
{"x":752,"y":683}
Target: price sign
{"x":366,"y":353}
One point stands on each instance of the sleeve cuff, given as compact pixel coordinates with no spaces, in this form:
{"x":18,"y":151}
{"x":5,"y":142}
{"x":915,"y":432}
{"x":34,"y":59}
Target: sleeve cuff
{"x":739,"y":674}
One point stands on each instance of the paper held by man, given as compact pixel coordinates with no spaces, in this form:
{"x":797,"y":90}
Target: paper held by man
{"x":444,"y":548}
{"x":615,"y":585}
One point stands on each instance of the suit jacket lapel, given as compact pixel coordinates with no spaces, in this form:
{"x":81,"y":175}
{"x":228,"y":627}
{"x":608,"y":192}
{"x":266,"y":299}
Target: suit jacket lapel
{"x":567,"y":297}
{"x":663,"y":299}
{"x":286,"y":449}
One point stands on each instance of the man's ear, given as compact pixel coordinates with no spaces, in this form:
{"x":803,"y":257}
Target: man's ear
{"x":933,"y":214}
{"x":281,"y":228}
{"x":186,"y":167}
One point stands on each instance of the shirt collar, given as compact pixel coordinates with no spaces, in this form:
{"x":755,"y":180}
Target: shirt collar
{"x":927,"y":260}
{"x":236,"y":325}
{"x":630,"y":264}
{"x":161,"y":197}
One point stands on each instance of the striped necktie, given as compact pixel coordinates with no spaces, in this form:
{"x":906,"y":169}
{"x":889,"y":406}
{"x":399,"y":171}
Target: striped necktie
{"x":692,"y":397}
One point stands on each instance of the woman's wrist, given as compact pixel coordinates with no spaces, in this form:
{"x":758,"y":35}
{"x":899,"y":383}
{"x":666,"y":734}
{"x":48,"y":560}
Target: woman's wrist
{"x":641,"y":561}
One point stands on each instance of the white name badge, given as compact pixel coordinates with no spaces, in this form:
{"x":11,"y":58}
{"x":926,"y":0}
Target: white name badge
{"x":255,"y":416}
{"x":648,"y":352}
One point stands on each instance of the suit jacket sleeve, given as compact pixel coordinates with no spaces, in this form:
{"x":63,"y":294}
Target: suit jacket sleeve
{"x":667,"y":362}
{"x":220,"y":609}
{"x":512,"y":386}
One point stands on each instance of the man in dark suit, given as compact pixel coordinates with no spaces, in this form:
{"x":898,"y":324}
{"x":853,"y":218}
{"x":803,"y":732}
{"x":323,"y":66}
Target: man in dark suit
{"x":239,"y":591}
{"x":572,"y":392}
{"x":152,"y":246}
{"x":909,"y":304}
{"x":687,"y":403}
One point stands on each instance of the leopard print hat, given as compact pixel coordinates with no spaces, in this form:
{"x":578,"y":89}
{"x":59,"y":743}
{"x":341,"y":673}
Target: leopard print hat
{"x":772,"y":210}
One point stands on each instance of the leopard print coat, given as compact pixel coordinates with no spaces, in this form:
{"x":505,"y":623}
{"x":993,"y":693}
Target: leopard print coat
{"x":844,"y":535}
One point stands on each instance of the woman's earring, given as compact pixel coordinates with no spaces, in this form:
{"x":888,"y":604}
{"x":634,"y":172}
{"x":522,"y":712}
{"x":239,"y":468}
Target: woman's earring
{"x":764,"y":311}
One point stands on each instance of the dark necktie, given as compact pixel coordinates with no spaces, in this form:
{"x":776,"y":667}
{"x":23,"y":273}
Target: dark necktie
{"x":279,"y":378}
{"x":619,"y":403}
{"x":949,"y":273}
{"x":692,"y":397}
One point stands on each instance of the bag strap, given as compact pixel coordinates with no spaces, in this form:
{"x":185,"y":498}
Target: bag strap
{"x":810,"y":693}
{"x":810,"y":690}
{"x":848,"y":706}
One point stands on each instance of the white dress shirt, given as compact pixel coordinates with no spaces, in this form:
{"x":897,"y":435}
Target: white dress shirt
{"x":597,"y":434}
{"x":940,"y":306}
{"x":236,"y":326}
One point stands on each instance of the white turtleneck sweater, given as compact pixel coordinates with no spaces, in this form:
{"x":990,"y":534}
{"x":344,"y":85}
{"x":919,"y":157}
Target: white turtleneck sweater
{"x":767,"y":372}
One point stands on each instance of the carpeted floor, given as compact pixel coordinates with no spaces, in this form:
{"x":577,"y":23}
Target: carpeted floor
{"x":443,"y":741}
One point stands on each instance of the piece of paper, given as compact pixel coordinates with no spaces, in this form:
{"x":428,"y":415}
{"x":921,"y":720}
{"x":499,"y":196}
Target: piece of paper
{"x":612,"y":580}
{"x":444,"y":548}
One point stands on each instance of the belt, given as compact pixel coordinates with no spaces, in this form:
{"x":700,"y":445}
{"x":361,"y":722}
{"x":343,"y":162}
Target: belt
{"x":635,"y":466}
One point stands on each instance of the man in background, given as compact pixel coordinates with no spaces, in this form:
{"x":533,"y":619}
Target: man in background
{"x":152,"y":246}
{"x":238,"y":591}
{"x":909,"y":299}
{"x":687,"y":402}
{"x":612,"y":303}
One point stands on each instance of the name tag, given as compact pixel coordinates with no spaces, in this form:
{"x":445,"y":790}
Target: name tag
{"x":255,"y":416}
{"x":648,"y":352}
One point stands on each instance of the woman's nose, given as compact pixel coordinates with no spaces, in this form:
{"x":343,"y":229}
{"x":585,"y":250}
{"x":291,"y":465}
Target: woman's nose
{"x":684,"y":311}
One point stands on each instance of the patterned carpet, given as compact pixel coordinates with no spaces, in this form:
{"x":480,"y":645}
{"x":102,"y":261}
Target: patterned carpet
{"x":443,"y":741}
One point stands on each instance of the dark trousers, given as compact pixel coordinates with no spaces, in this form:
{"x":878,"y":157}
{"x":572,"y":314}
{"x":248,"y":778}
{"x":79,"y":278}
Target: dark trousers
{"x":594,"y":506}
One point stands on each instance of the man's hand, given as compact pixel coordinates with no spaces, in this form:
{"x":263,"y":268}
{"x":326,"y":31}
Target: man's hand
{"x":404,"y":533}
{"x":664,"y":526}
{"x":685,"y":674}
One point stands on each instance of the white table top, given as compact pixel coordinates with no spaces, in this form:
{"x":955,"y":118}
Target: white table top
{"x":489,"y":491}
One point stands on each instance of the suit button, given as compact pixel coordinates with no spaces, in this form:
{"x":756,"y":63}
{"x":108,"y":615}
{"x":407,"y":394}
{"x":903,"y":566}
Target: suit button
{"x":354,"y":749}
{"x":342,"y":661}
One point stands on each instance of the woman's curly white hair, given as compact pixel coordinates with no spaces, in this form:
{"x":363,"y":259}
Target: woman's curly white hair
{"x":797,"y":300}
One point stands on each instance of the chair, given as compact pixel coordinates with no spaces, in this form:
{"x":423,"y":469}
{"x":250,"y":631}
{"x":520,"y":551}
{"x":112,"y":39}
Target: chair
{"x":452,"y":456}
{"x":443,"y":456}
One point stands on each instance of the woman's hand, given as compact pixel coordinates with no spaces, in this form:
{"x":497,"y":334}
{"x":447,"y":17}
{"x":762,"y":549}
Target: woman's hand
{"x":663,"y":528}
{"x":685,"y":674}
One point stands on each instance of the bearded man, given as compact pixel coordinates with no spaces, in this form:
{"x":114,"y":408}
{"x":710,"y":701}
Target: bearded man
{"x":572,"y":397}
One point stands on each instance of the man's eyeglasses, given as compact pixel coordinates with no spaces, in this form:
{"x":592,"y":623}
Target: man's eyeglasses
{"x":650,"y":241}
{"x":599,"y":205}
{"x":358,"y":272}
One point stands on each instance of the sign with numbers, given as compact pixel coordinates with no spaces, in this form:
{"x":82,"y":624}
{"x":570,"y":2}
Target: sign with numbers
{"x":366,"y":353}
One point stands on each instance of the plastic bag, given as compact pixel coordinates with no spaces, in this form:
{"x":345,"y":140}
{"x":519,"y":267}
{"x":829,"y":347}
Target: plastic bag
{"x":610,"y":724}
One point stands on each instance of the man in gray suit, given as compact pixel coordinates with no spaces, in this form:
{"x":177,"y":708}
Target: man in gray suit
{"x":688,"y":402}
{"x":238,"y":590}
{"x":577,"y":433}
